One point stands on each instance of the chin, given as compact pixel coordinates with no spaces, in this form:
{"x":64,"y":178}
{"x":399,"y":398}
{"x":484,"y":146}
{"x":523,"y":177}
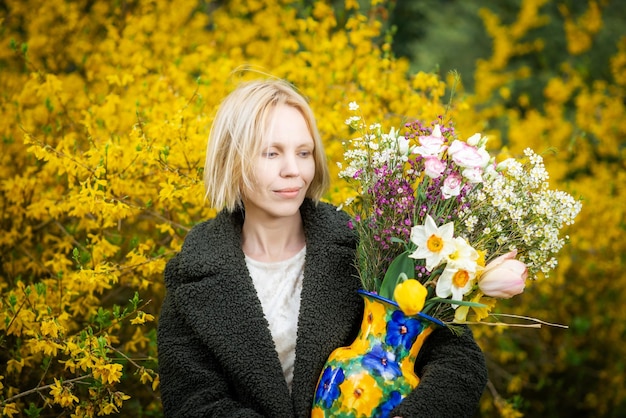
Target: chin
{"x":287,"y":208}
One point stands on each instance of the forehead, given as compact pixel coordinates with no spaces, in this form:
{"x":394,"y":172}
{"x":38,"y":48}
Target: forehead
{"x":286,"y":123}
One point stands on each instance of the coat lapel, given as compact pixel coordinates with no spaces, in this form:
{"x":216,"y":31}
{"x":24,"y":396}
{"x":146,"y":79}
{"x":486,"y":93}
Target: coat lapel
{"x":225,"y":311}
{"x":330,"y":305}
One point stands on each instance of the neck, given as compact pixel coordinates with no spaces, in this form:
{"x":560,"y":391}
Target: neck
{"x":272,"y":240}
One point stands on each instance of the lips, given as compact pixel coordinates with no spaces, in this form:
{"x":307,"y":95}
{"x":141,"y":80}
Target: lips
{"x":288,"y":192}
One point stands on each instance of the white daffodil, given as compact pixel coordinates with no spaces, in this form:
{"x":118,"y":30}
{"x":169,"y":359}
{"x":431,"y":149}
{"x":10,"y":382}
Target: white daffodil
{"x":433,"y":243}
{"x":459,"y":275}
{"x":462,"y":255}
{"x":455,"y":282}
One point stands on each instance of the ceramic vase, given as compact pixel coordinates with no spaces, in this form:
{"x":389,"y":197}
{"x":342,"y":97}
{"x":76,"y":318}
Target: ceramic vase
{"x":372,"y":375}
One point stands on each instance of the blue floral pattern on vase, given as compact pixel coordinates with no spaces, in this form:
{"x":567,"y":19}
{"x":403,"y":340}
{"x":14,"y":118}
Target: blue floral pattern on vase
{"x":328,"y":390}
{"x":382,"y":362}
{"x":370,"y":377}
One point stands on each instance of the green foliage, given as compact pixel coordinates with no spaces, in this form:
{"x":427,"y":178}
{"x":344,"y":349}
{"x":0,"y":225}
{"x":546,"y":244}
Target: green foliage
{"x":401,"y":268}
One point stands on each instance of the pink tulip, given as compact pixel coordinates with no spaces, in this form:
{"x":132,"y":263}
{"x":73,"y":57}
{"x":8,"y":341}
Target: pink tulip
{"x":504,"y":277}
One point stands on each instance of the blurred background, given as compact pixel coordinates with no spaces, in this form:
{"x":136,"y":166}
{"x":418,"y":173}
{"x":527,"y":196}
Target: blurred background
{"x":105,"y":107}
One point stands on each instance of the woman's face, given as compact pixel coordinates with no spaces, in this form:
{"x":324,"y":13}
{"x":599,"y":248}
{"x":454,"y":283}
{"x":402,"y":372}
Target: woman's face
{"x":284,"y":168}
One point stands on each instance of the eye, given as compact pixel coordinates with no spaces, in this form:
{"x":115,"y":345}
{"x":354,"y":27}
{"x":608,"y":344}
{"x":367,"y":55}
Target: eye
{"x":270,"y":154}
{"x":305,"y":153}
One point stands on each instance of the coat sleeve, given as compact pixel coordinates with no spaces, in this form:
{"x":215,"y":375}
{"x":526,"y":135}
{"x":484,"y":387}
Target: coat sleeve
{"x":191,"y":383}
{"x":453,"y":376}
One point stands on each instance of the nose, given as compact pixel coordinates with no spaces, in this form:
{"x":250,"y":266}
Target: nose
{"x":290,"y":167}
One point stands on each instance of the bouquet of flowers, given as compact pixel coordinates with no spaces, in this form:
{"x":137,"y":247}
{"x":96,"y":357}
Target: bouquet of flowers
{"x":444,"y":226}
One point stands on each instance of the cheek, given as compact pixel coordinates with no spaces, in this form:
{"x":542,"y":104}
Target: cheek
{"x":264,"y":172}
{"x":308,"y":171}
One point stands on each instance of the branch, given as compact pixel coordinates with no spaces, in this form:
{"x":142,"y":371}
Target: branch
{"x":42,"y":388}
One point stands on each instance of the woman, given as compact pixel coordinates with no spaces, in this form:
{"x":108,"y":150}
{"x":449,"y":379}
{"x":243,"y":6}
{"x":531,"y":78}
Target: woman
{"x":260,"y":295}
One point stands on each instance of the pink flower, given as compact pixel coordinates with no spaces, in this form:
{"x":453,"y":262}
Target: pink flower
{"x":504,"y":277}
{"x":432,"y":144}
{"x":467,"y":156}
{"x":451,"y":186}
{"x":433,"y":166}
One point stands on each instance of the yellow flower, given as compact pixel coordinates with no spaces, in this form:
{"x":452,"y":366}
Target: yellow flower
{"x":317,"y":412}
{"x":62,"y":394}
{"x":47,"y":347}
{"x":374,"y":320}
{"x":108,"y":408}
{"x":156,"y":382}
{"x":9,"y":409}
{"x":14,"y":366}
{"x":411,"y":296}
{"x":145,"y":376}
{"x":142,"y":318}
{"x":361,"y":393}
{"x":481,"y":259}
{"x":119,"y":397}
{"x":460,"y":315}
{"x":107,"y":373}
{"x":50,"y":328}
{"x":83,"y":411}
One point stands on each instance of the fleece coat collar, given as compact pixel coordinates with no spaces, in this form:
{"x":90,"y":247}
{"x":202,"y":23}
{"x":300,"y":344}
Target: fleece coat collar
{"x":214,"y":293}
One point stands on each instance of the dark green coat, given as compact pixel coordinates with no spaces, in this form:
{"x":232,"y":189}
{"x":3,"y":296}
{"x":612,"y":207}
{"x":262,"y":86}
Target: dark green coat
{"x":216,"y":353}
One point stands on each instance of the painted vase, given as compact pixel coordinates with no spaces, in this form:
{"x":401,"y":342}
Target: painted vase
{"x":372,"y":375}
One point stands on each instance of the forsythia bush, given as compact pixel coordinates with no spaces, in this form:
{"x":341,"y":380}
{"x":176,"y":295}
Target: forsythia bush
{"x":106,"y":107}
{"x":581,"y":124}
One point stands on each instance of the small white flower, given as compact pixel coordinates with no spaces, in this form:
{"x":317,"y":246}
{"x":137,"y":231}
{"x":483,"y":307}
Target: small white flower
{"x":353,"y":106}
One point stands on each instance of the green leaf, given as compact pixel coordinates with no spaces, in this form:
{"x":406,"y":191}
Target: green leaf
{"x":400,"y":269}
{"x":397,"y":240}
{"x":103,"y":318}
{"x":40,"y":288}
{"x":33,"y":411}
{"x":135,"y":301}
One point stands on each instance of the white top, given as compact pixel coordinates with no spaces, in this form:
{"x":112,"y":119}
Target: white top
{"x":279,"y":285}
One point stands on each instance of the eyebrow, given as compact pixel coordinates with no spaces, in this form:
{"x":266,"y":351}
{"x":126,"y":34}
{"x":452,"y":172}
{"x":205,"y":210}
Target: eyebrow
{"x":280,"y":144}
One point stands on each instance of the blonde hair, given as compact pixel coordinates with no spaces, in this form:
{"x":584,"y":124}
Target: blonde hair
{"x":236,"y":137}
